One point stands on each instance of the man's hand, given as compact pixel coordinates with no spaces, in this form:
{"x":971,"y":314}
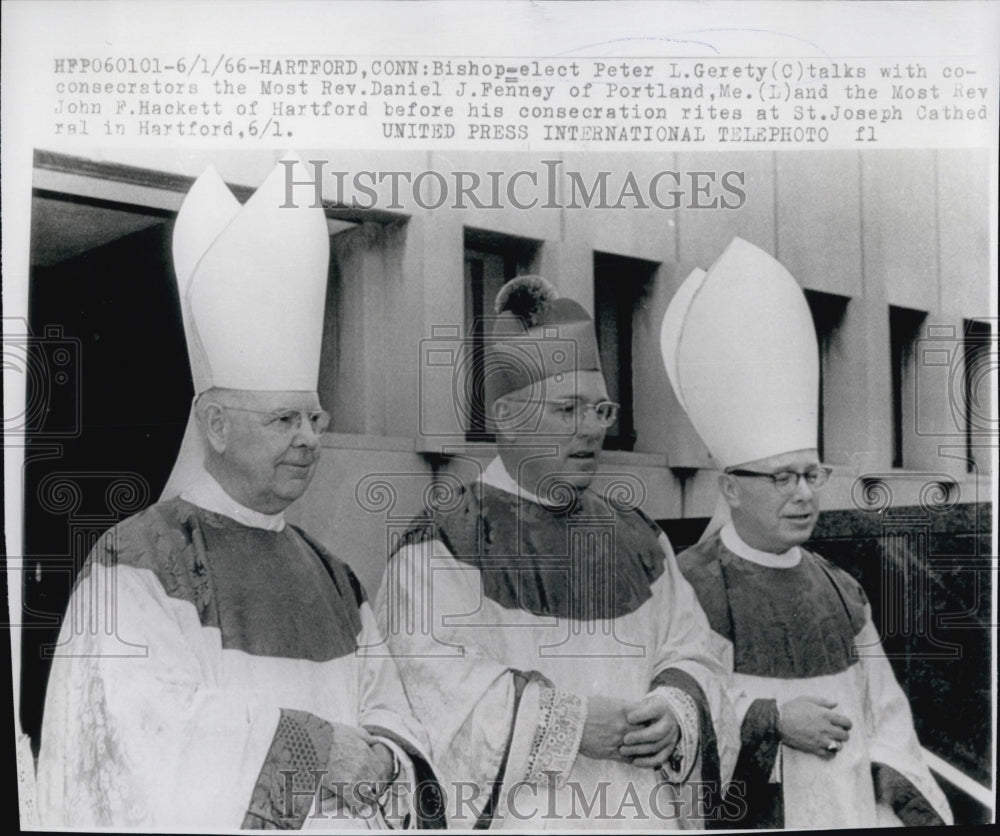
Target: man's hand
{"x":386,"y":761}
{"x":605,"y":728}
{"x":358,"y":767}
{"x":811,"y":725}
{"x":652,"y":745}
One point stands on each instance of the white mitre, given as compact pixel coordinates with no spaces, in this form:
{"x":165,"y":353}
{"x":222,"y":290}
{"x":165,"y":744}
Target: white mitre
{"x":740,"y":350}
{"x":252,"y":284}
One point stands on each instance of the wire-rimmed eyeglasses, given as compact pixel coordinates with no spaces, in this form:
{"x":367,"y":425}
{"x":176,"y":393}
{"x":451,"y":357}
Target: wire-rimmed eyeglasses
{"x":289,"y":421}
{"x":787,"y":481}
{"x":572,"y":412}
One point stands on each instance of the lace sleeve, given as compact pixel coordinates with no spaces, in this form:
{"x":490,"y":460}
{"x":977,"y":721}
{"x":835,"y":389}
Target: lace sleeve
{"x":557,"y":738}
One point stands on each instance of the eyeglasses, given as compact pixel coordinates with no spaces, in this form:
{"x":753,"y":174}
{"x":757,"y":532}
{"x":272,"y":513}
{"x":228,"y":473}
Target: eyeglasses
{"x":289,"y":421}
{"x":572,"y":412}
{"x":787,"y":481}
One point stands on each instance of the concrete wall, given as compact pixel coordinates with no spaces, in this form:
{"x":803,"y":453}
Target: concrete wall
{"x":878,"y":229}
{"x":908,"y":229}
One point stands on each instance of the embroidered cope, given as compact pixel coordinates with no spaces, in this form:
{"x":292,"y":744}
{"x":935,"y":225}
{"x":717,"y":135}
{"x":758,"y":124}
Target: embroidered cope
{"x":505,"y":617}
{"x":799,"y":626}
{"x":202,"y":671}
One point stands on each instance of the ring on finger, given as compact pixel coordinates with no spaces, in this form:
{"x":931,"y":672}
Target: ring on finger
{"x":833,"y":747}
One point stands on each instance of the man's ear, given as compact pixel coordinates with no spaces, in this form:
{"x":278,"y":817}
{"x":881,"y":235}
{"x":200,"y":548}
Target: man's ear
{"x":215,"y":424}
{"x":729,"y":489}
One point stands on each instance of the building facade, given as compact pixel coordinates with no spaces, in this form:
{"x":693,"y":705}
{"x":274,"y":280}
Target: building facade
{"x":891,"y":247}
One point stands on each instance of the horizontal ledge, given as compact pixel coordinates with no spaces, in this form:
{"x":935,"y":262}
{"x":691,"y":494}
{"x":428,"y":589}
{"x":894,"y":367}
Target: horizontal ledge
{"x":173,"y":186}
{"x":359,"y":441}
{"x":487,"y":450}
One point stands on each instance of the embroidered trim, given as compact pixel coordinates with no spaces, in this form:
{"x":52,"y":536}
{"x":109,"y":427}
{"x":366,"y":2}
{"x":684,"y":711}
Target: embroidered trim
{"x":679,"y":765}
{"x":760,"y":753}
{"x":557,"y":739}
{"x":300,"y":752}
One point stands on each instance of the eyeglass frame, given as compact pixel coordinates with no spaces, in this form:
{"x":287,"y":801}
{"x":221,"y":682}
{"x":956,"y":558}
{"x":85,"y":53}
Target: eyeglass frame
{"x":791,"y":487}
{"x":278,"y":414}
{"x":585,"y":408}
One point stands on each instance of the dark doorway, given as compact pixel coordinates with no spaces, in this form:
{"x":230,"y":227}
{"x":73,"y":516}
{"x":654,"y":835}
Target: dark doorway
{"x":108,"y":390}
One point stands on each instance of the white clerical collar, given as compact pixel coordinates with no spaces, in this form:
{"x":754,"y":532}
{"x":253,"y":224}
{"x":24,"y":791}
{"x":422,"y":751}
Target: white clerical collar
{"x":732,"y":541}
{"x":207,"y":493}
{"x":496,"y":476}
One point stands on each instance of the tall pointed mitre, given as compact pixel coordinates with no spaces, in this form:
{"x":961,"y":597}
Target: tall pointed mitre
{"x":252,"y":284}
{"x":740,"y":350}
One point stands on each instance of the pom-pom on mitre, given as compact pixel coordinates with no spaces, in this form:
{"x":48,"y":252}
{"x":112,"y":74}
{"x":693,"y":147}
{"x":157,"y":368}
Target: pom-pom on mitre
{"x":526,"y":297}
{"x":555,"y":330}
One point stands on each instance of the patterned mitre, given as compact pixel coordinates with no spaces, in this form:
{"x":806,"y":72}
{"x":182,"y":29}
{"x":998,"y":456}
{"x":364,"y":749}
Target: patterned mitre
{"x":252,"y":285}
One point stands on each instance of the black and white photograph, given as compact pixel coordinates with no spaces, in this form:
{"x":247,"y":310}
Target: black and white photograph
{"x":592,"y":431}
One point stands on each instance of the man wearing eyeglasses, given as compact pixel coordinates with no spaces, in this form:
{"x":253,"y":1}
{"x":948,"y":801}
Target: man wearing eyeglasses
{"x":207,"y":674}
{"x":560,"y":663}
{"x":826,"y":731}
{"x":774,"y":501}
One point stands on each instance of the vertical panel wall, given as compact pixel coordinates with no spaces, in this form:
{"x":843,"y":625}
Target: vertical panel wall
{"x":907,"y":229}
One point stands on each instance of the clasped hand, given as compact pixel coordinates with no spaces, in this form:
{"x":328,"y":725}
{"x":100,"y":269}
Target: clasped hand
{"x":811,"y":725}
{"x":358,"y":768}
{"x":642,"y":733}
